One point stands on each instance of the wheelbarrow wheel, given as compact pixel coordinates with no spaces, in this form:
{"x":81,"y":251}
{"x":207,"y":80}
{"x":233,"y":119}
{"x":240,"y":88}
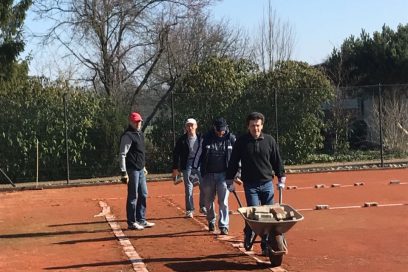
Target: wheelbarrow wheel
{"x":276,"y":248}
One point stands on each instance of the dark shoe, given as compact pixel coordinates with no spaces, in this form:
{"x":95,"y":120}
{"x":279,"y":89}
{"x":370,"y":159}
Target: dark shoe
{"x":224,"y":231}
{"x":203,"y":210}
{"x":248,"y":237}
{"x":211,"y":226}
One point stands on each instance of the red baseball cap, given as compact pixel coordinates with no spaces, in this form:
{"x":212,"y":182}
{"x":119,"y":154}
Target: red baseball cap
{"x":135,"y":117}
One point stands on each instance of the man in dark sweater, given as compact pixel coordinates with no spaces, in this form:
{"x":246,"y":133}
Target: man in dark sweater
{"x":132,"y":166}
{"x":260,"y":160}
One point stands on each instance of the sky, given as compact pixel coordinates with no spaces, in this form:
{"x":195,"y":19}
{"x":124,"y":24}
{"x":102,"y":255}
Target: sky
{"x":318,"y":25}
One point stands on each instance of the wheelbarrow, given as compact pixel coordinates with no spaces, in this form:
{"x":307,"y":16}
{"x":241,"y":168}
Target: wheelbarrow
{"x":276,"y":222}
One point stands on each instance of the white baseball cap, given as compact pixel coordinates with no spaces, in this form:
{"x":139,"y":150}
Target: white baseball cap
{"x":191,"y":121}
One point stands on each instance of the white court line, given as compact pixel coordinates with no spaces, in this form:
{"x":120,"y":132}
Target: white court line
{"x":353,"y":207}
{"x":303,"y":188}
{"x":134,"y":257}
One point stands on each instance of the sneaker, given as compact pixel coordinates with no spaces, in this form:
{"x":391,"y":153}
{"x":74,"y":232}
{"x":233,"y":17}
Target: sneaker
{"x":203,"y":210}
{"x":211,"y":226}
{"x":248,"y":237}
{"x":224,"y":231}
{"x":178,"y":179}
{"x":135,"y":226}
{"x":147,"y":224}
{"x":189,"y":214}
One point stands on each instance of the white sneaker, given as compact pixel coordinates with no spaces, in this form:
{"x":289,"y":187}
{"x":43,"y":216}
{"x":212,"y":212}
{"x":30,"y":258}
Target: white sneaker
{"x":135,"y":226}
{"x":147,"y":224}
{"x":177,"y":180}
{"x":189,"y":214}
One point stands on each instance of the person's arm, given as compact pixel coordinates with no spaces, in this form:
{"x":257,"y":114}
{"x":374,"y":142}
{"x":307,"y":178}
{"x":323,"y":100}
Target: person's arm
{"x":277,"y":165}
{"x":176,"y":158}
{"x":125,"y":143}
{"x":233,"y":163}
{"x":198,"y":154}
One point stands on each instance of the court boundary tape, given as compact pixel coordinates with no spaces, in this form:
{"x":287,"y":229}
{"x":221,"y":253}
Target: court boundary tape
{"x":134,"y":258}
{"x":226,"y":238}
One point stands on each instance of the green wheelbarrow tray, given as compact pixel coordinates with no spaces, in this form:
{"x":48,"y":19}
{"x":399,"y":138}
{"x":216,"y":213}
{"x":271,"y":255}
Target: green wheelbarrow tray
{"x":271,"y":226}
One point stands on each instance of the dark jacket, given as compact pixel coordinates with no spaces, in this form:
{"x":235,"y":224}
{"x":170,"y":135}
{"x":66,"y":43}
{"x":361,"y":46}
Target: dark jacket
{"x":260,"y":159}
{"x":135,"y":158}
{"x":181,"y":152}
{"x":215,"y":146}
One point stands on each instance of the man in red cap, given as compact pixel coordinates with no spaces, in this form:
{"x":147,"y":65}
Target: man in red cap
{"x":132,"y":166}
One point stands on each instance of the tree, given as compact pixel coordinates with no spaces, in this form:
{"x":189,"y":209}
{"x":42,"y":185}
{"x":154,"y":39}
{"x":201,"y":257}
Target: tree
{"x":208,"y":90}
{"x":190,"y":43}
{"x":394,"y":119}
{"x":118,"y":42}
{"x":12,"y":16}
{"x":33,"y":109}
{"x":366,"y":60}
{"x":301,"y":92}
{"x":275,"y":40}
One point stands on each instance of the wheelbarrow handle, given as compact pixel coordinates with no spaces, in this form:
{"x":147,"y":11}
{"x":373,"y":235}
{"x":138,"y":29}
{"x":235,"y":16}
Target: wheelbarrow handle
{"x":238,"y":200}
{"x":280,"y":196}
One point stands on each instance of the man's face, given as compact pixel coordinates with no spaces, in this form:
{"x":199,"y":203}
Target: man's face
{"x":219,"y":133}
{"x":136,"y":125}
{"x":191,"y":129}
{"x":255,"y":128}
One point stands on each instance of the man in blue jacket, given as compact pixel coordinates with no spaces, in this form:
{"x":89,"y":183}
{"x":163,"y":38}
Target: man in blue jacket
{"x":216,"y":151}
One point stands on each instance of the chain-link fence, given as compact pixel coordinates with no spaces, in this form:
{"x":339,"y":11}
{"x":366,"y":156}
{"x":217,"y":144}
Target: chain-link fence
{"x":359,"y":123}
{"x":49,"y":133}
{"x":72,"y":142}
{"x":377,"y":119}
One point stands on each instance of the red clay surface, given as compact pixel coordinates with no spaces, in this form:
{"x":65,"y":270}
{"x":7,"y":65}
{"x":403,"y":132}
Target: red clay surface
{"x":56,"y":229}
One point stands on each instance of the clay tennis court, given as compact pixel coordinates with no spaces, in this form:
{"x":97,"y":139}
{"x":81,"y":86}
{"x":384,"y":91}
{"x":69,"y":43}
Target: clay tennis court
{"x":84,"y":228}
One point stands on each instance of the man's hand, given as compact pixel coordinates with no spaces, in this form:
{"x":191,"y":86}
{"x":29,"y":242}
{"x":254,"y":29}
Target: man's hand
{"x":124,"y":178}
{"x":281,"y":182}
{"x":194,"y":179}
{"x":231,"y":187}
{"x":145,"y":171}
{"x":238,"y":181}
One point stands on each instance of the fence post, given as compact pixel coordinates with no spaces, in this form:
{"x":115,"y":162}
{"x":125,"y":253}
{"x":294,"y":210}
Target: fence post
{"x":380,"y":124}
{"x":276,"y":116}
{"x":172,"y":118}
{"x":37,"y":162}
{"x":66,"y":134}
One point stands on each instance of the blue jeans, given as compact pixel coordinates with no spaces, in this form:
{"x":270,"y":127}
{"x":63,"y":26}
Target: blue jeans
{"x":136,"y":197}
{"x":258,"y":194}
{"x":214,"y":183}
{"x":188,"y":190}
